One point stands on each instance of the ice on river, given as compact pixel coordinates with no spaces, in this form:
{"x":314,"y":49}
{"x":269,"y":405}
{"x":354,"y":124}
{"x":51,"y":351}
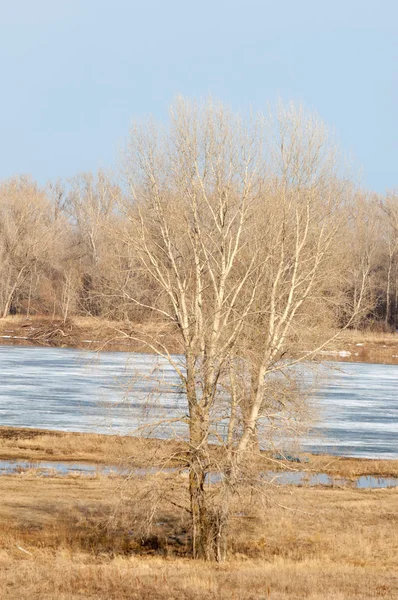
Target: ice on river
{"x":116,"y":392}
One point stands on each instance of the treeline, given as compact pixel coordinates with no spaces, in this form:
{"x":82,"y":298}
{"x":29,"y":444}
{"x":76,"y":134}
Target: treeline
{"x":66,"y":250}
{"x":63,"y":249}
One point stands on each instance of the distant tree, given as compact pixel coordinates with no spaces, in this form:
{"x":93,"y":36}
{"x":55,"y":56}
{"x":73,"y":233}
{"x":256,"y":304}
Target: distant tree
{"x":29,"y":238}
{"x":91,"y":204}
{"x":389,"y":207}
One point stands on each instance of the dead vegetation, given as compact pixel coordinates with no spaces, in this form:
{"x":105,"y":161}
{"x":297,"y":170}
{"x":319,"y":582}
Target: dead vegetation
{"x":43,"y":445}
{"x":58,"y":576}
{"x":108,"y":537}
{"x":61,"y":538}
{"x":89,"y":333}
{"x":365,"y":346}
{"x":33,"y":445}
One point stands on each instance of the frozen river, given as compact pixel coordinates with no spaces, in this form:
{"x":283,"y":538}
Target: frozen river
{"x":115,"y":392}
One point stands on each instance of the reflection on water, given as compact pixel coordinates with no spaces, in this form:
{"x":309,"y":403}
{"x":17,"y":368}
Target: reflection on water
{"x":48,"y":468}
{"x":302,"y":478}
{"x":314,"y":479}
{"x":116,"y":392}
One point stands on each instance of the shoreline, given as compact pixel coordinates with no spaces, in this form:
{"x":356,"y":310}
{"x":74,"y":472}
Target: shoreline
{"x":36,"y":445}
{"x":96,"y":334}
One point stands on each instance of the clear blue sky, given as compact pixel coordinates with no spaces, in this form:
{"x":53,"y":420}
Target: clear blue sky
{"x":75,"y":73}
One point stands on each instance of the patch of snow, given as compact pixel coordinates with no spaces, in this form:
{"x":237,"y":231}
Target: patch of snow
{"x":341,"y":353}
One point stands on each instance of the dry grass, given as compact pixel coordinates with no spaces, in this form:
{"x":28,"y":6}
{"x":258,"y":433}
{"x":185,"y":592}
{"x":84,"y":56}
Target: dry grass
{"x":302,"y":543}
{"x":366,"y":346}
{"x":34,"y":445}
{"x":84,"y":332}
{"x":39,"y":444}
{"x":101,"y":334}
{"x":349,"y":468}
{"x":63,"y":577}
{"x":369,"y":336}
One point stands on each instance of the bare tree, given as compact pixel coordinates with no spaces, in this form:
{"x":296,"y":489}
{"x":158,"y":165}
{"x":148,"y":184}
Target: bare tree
{"x":238,"y":225}
{"x":236,"y":238}
{"x":361,"y":242}
{"x":90,"y":204}
{"x":29,"y":241}
{"x":389,"y":207}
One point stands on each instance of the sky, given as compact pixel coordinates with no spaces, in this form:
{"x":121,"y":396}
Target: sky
{"x":74,"y":74}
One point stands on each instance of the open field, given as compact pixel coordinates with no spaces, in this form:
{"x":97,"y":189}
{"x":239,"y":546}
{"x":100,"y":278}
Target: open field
{"x":100,"y":334}
{"x":108,"y":537}
{"x":60,"y":538}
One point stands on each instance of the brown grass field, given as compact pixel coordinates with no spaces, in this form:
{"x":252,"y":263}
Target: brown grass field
{"x":79,"y":536}
{"x":61,"y":538}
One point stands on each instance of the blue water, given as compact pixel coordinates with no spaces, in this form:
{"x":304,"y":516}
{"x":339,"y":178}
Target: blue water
{"x":302,"y":478}
{"x":116,"y":392}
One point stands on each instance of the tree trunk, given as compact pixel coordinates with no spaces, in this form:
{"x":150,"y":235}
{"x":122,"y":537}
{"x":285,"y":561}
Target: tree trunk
{"x":388,"y":292}
{"x":201,"y":528}
{"x":209,"y":524}
{"x":201,"y":525}
{"x":8,"y":303}
{"x":223,"y":519}
{"x":10,"y":297}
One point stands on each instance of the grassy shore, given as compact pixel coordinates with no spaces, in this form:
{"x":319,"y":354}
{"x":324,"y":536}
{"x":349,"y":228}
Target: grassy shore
{"x":100,"y":334}
{"x":33,"y":445}
{"x":82,"y":332}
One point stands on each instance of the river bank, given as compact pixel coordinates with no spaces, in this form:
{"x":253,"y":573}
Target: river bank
{"x":87,"y":333}
{"x":105,"y":536}
{"x":100,"y":334}
{"x":35,"y":445}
